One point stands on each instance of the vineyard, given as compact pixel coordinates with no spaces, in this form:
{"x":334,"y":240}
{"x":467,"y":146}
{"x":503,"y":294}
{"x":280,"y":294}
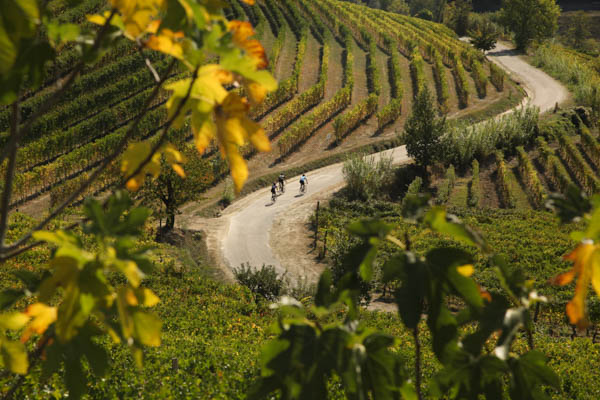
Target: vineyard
{"x":562,"y":152}
{"x":347,"y":77}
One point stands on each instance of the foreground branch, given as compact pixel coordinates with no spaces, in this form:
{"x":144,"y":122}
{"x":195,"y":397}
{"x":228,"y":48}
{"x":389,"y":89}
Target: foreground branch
{"x":8,"y":251}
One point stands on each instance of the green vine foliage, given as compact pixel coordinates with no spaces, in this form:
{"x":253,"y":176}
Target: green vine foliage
{"x":101,"y":294}
{"x":310,"y":349}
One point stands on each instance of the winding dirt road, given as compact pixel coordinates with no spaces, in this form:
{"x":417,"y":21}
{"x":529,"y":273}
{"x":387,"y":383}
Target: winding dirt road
{"x":257,"y":231}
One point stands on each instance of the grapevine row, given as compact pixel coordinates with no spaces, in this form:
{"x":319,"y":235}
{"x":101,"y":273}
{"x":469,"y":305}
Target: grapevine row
{"x":497,"y":76}
{"x":474,"y":193}
{"x":446,"y":186}
{"x":462,"y":84}
{"x":504,"y":182}
{"x":439,"y":73}
{"x":590,"y":144}
{"x":480,"y":78}
{"x":391,"y":111}
{"x":530,"y":178}
{"x":417,"y":69}
{"x":581,"y":170}
{"x":556,"y":172}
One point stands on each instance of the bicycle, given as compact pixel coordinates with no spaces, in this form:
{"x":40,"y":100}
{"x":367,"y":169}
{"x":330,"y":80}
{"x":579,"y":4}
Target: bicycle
{"x":303,"y":188}
{"x":281,"y":187}
{"x":273,"y":197}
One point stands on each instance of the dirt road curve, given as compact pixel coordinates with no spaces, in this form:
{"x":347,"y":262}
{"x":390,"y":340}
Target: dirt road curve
{"x":258,"y":231}
{"x":542,"y":90}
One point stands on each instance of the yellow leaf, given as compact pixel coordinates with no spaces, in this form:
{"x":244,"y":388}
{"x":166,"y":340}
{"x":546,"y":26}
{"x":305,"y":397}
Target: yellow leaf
{"x":146,"y":297}
{"x":466,"y":270}
{"x":167,"y":42}
{"x":14,"y":356}
{"x":178,"y":170}
{"x":586,"y":267}
{"x":251,"y":2}
{"x":42,"y":316}
{"x":242,"y":32}
{"x":134,"y":155}
{"x":138,"y":16}
{"x":13,"y":321}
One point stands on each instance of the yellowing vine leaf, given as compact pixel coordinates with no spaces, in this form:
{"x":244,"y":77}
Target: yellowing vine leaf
{"x":135,"y":17}
{"x":234,"y":129}
{"x":242,"y":32}
{"x":41,"y":316}
{"x":133,"y":157}
{"x":586,"y":266}
{"x":167,"y":42}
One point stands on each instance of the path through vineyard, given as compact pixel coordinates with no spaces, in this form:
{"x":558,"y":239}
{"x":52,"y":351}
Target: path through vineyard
{"x":255,"y":230}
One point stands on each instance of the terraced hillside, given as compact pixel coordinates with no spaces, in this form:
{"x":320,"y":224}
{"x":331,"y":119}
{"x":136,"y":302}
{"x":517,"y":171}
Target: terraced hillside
{"x":347,"y":76}
{"x":564,"y":153}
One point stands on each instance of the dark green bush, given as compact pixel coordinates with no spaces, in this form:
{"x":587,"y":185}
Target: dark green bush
{"x":264,"y":282}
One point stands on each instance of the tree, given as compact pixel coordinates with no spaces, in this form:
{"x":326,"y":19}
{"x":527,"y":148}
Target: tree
{"x":457,"y":16}
{"x":165,"y":194}
{"x":484,"y":38}
{"x":398,"y":6}
{"x":578,"y":30}
{"x":92,"y":290}
{"x":530,"y":19}
{"x":423,"y":130}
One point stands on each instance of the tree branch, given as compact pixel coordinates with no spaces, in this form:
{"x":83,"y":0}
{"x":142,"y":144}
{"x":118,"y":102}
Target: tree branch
{"x":148,"y":64}
{"x":165,"y":128}
{"x":96,"y":173}
{"x":10,"y":170}
{"x":417,"y":362}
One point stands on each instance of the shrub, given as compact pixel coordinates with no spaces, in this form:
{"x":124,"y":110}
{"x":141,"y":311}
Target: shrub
{"x":264,"y":282}
{"x":461,"y":144}
{"x":367,"y":177}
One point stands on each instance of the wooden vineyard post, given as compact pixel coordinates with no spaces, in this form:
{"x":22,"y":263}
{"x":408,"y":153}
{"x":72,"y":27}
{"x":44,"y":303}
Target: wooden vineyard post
{"x":317,"y":225}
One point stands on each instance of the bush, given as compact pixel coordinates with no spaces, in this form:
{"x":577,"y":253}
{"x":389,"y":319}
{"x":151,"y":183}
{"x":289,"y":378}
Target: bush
{"x":367,"y":177}
{"x":264,"y":282}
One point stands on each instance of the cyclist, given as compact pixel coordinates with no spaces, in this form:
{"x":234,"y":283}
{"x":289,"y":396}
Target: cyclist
{"x":274,"y":191}
{"x":281,"y":182}
{"x":303,"y":182}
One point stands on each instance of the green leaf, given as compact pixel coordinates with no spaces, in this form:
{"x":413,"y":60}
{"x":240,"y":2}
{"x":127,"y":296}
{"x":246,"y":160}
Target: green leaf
{"x":8,"y":51}
{"x":439,"y":221}
{"x":9,"y":297}
{"x":410,"y":296}
{"x":324,"y":296}
{"x":368,"y":228}
{"x":74,"y":377}
{"x":60,"y":33}
{"x":147,"y":328}
{"x":269,"y":352}
{"x":14,"y":356}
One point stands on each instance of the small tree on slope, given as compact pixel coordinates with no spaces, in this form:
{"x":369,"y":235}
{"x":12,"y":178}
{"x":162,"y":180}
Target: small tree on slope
{"x":423,"y":131}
